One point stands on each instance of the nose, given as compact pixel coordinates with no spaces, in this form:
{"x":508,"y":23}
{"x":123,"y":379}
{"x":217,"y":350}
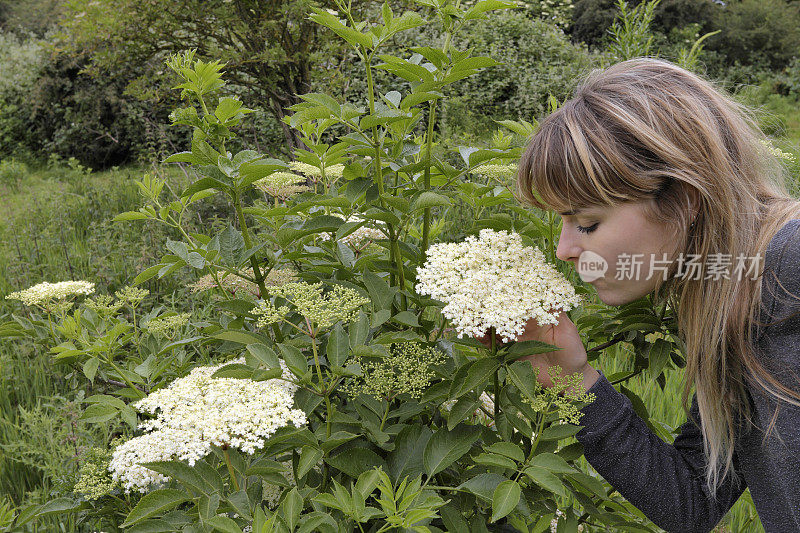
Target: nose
{"x":568,"y":248}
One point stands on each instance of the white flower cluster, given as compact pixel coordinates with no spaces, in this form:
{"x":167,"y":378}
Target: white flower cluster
{"x":45,"y":292}
{"x":494,"y":281}
{"x":197,"y":412}
{"x":359,"y":236}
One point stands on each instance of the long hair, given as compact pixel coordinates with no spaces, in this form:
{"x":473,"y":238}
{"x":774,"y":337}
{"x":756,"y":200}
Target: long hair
{"x":648,"y":130}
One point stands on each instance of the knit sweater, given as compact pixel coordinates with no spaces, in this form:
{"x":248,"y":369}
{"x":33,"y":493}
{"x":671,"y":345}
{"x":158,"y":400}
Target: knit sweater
{"x":667,"y":481}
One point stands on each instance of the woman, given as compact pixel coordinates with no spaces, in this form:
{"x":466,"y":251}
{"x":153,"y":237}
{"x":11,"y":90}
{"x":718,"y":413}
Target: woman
{"x":648,"y":158}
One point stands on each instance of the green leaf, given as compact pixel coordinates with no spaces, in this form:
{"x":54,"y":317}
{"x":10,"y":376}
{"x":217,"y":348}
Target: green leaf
{"x":487,"y":5}
{"x":309,"y":457}
{"x":521,"y":374}
{"x":58,"y":506}
{"x":477,"y":374}
{"x":223,"y":524}
{"x":446,"y":447}
{"x":237,"y":335}
{"x":338,"y":347}
{"x":291,"y":507}
{"x":483,"y":485}
{"x":90,"y":368}
{"x":264,"y":354}
{"x":463,"y":408}
{"x":406,"y":318}
{"x":545,"y":479}
{"x":430,"y":199}
{"x":508,"y":449}
{"x":181,"y":472}
{"x":294,"y":358}
{"x":552,"y":462}
{"x":506,"y":497}
{"x":382,"y":295}
{"x":147,"y":273}
{"x":356,"y":461}
{"x":97,"y":413}
{"x":153,"y":503}
{"x":493,"y":459}
{"x":521,"y":348}
{"x":559,"y":431}
{"x":234,"y":370}
{"x":129,"y":215}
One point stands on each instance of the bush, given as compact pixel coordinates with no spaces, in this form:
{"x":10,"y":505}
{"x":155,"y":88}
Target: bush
{"x":12,"y":173}
{"x":758,"y":32}
{"x":21,"y":64}
{"x":537,"y":60}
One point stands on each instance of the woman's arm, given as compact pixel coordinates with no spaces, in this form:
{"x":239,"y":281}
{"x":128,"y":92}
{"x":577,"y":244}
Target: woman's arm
{"x":666,"y":482}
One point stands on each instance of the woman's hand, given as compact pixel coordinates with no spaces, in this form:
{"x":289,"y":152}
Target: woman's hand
{"x":571,"y":358}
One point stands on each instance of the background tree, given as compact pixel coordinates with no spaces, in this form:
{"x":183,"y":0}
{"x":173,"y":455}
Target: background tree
{"x":269,"y":47}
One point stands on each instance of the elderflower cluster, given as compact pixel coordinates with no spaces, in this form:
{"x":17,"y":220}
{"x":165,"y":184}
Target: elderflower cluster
{"x":234,"y":283}
{"x":131,"y":295}
{"x":564,"y":395}
{"x":359,"y":236}
{"x":104,"y":305}
{"x":166,"y":326}
{"x":406,"y":370}
{"x":52,"y":296}
{"x":333,"y":171}
{"x":494,"y":282}
{"x":282,"y":184}
{"x":339,"y":303}
{"x":197,"y":412}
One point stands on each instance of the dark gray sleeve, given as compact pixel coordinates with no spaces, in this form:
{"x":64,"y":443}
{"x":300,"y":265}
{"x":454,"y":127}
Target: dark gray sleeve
{"x":666,"y":482}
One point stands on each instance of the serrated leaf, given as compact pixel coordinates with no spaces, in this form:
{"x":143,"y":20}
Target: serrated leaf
{"x":505,"y":498}
{"x":153,"y":503}
{"x":446,"y":447}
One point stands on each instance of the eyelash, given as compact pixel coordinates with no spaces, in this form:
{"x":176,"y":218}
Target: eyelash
{"x":589,"y":229}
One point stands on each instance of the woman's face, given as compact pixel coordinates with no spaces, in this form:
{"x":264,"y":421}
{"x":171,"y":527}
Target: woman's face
{"x":619,"y":238}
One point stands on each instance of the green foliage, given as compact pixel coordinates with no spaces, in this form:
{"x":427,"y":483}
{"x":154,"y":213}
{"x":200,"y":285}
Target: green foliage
{"x":630,"y":35}
{"x":536,"y":61}
{"x":415,"y":456}
{"x":760,"y":33}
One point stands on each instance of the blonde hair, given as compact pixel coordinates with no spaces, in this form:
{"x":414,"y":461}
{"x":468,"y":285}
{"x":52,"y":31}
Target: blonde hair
{"x":648,"y":130}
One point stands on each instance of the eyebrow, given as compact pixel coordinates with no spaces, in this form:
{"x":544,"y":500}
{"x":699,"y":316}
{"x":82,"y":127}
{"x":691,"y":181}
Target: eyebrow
{"x":570,"y":213}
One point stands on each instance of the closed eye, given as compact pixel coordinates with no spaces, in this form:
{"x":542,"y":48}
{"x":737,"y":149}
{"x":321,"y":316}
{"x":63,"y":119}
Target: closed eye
{"x":588,"y":229}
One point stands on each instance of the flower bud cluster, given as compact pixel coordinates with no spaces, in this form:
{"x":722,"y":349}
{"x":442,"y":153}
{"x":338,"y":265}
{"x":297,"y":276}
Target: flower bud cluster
{"x":282,"y":184}
{"x":494,"y":281}
{"x":361,"y":235}
{"x":104,"y":305}
{"x":132,"y":295}
{"x":406,"y":370}
{"x":324,"y":310}
{"x":333,"y":171}
{"x":166,"y":326}
{"x":197,"y":412}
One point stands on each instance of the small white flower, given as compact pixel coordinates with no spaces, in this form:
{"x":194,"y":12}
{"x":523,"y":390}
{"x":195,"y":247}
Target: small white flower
{"x":46,"y":292}
{"x":197,"y":412}
{"x":494,"y":281}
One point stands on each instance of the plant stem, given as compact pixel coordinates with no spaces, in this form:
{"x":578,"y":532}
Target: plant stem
{"x":496,"y":378}
{"x":230,"y":469}
{"x":237,"y":202}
